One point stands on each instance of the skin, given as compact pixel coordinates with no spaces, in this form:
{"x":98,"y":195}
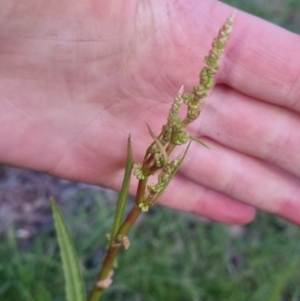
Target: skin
{"x":77,"y":77}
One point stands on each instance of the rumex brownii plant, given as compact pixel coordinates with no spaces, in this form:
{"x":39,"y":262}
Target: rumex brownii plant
{"x":157,"y":160}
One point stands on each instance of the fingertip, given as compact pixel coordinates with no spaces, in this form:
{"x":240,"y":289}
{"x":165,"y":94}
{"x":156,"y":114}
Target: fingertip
{"x":290,"y":211}
{"x":188,"y":196}
{"x":226,"y":210}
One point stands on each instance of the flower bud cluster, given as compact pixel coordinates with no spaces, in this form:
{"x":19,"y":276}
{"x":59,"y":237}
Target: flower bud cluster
{"x":138,"y":171}
{"x":164,"y":178}
{"x":207,"y":74}
{"x":173,"y":133}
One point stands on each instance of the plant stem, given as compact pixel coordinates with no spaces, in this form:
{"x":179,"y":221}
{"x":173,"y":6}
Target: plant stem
{"x":113,"y":251}
{"x":141,"y":190}
{"x":185,"y":122}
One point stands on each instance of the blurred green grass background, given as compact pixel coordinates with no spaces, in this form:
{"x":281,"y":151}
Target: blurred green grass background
{"x":174,"y":256}
{"x":285,"y":13}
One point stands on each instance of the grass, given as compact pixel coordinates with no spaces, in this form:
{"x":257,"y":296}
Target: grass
{"x":182,"y":260}
{"x":285,"y":13}
{"x":174,"y":256}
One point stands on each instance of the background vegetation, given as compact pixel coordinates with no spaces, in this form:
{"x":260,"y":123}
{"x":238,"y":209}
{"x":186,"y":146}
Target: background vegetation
{"x":189,"y":259}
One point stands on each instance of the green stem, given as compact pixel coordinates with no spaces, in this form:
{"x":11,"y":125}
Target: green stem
{"x":113,"y":251}
{"x":186,"y":121}
{"x":170,"y":148}
{"x":141,"y":190}
{"x":116,"y":242}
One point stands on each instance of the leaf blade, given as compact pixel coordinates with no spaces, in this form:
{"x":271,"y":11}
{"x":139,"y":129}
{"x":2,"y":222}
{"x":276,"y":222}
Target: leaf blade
{"x":74,"y":283}
{"x":159,"y":145}
{"x":122,"y":199}
{"x":200,"y":141}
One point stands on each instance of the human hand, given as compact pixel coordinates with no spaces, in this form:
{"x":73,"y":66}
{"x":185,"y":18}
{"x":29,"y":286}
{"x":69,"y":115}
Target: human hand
{"x":76,"y":78}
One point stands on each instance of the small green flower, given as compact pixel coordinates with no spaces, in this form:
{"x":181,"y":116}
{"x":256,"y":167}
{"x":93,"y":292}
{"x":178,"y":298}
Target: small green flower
{"x":138,"y":172}
{"x":152,"y":189}
{"x":144,"y":207}
{"x":207,"y":74}
{"x":159,"y":160}
{"x":193,"y":112}
{"x":166,"y":133}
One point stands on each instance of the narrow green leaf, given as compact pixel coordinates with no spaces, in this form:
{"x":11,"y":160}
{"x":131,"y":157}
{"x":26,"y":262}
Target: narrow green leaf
{"x":147,"y":153}
{"x":75,"y":287}
{"x":200,"y":141}
{"x":159,"y":144}
{"x":123,"y":196}
{"x":282,"y":278}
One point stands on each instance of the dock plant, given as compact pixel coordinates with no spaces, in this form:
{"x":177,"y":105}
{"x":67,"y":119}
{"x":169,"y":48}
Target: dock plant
{"x":157,"y":163}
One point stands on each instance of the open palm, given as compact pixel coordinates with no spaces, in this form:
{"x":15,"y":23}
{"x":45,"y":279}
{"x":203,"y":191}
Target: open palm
{"x":77,"y":78}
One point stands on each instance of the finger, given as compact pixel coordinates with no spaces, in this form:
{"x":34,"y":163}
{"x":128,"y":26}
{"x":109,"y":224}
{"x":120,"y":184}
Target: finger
{"x":256,"y":128}
{"x":244,"y":178}
{"x":262,"y":61}
{"x":185,"y":195}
